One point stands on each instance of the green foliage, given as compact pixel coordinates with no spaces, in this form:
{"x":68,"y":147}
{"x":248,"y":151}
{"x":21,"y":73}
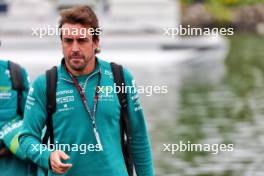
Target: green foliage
{"x":220,"y":13}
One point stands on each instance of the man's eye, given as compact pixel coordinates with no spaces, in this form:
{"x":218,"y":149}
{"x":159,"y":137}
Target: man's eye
{"x":68,"y":40}
{"x":82,"y":40}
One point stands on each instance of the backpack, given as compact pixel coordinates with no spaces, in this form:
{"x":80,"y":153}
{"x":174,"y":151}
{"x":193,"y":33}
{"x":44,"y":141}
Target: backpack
{"x":17,"y":82}
{"x":125,"y":129}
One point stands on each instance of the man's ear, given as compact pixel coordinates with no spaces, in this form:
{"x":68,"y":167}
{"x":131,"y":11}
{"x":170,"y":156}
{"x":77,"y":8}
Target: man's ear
{"x":96,"y":46}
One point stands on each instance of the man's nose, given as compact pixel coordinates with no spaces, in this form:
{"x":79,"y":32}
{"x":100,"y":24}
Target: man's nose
{"x":75,"y":46}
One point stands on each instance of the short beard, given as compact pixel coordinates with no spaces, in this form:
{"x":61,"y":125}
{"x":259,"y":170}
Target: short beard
{"x":77,"y":67}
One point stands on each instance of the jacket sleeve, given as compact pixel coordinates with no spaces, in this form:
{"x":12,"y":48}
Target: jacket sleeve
{"x":140,"y":144}
{"x":34,"y":122}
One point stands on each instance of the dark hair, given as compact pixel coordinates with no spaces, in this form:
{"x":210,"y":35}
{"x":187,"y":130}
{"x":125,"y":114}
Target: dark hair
{"x":83,"y":15}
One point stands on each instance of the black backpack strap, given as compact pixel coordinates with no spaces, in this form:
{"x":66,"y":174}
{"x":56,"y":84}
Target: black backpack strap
{"x":51,"y":86}
{"x":17,"y":82}
{"x":124,"y":118}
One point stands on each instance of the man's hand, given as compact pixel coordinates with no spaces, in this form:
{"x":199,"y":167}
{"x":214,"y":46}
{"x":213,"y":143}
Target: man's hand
{"x":55,"y":161}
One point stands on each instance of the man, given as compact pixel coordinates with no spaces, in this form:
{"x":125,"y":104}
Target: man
{"x":81,"y":118}
{"x":11,"y":109}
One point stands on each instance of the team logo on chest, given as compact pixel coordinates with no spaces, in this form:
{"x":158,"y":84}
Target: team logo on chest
{"x":64,"y":100}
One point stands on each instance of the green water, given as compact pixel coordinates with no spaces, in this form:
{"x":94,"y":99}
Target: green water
{"x":228,"y":110}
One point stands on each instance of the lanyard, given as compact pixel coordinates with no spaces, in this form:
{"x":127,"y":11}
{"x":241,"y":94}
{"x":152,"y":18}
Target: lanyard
{"x":85,"y":103}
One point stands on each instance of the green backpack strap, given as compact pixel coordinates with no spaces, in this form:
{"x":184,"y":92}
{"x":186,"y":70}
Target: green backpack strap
{"x":17,"y":82}
{"x":124,"y":118}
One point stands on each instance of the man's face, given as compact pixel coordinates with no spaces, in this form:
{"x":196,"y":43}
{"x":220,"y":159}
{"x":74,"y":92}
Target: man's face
{"x":78,"y":46}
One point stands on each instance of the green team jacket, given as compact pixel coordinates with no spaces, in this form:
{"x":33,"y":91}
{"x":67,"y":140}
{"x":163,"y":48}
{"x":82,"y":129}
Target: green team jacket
{"x":11,"y":165}
{"x":73,"y":127}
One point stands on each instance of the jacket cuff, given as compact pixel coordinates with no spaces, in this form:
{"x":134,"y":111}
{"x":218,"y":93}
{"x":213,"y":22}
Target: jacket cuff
{"x":46,"y":160}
